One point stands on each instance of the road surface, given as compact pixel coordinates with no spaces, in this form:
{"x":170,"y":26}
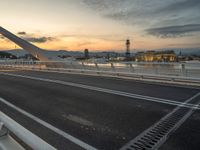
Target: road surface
{"x":94,"y":112}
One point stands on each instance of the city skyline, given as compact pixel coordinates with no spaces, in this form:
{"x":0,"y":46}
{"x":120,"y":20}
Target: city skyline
{"x":102,"y":24}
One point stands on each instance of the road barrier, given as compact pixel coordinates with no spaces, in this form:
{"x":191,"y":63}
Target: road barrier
{"x":8,"y":125}
{"x":183,"y":73}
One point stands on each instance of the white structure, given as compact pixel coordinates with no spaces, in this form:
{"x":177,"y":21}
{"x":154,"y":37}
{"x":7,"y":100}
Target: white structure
{"x":32,"y":49}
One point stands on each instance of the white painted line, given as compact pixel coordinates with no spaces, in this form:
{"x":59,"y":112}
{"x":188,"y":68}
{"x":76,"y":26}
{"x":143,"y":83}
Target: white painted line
{"x":166,"y":136}
{"x":107,"y":74}
{"x":149,"y":81}
{"x":115,"y":92}
{"x":49,"y":126}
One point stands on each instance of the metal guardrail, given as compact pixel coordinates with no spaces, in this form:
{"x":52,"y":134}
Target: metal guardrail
{"x":185,"y":73}
{"x":8,"y":143}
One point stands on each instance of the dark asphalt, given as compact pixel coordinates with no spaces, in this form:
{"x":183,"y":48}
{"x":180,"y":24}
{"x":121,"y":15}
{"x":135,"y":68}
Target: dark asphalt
{"x":187,"y":137}
{"x":161,"y":91}
{"x":105,"y":121}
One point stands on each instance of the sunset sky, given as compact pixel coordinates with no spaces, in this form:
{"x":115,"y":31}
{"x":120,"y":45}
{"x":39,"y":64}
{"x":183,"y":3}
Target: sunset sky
{"x":102,"y":24}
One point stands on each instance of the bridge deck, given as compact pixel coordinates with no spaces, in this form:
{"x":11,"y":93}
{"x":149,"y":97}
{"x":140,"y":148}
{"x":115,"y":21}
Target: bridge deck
{"x":102,"y":119}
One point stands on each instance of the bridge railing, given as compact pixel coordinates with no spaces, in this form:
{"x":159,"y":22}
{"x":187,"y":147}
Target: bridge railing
{"x":152,"y":70}
{"x":7,"y":142}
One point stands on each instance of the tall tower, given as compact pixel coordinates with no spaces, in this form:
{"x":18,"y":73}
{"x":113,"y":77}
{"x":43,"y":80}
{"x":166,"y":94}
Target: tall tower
{"x":128,"y":49}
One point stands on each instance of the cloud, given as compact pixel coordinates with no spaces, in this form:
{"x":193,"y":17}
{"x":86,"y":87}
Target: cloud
{"x":31,"y":37}
{"x":182,"y":6}
{"x":123,"y":9}
{"x":39,"y":39}
{"x":22,"y":33}
{"x":184,"y":45}
{"x":143,"y":13}
{"x":174,"y":31}
{"x":84,"y":44}
{"x":105,"y":37}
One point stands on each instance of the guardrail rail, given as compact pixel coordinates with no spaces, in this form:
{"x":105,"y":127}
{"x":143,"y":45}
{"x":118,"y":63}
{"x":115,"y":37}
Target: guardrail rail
{"x":185,"y":73}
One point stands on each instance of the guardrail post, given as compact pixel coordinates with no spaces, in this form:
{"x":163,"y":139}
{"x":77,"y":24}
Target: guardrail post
{"x":132,"y":69}
{"x":71,"y":64}
{"x":83,"y":65}
{"x":113,"y":67}
{"x":183,"y":70}
{"x":156,"y":71}
{"x":97,"y":67}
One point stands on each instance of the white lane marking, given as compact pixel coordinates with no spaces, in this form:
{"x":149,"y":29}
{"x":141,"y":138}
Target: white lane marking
{"x":158,"y":82}
{"x":164,"y":137}
{"x":7,"y":70}
{"x":115,"y":92}
{"x":49,"y":126}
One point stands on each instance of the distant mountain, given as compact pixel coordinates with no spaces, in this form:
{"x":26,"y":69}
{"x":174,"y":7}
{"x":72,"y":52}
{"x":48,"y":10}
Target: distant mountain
{"x":191,"y":52}
{"x":51,"y":54}
{"x":5,"y":55}
{"x":60,"y":54}
{"x":56,"y":55}
{"x":17,"y":52}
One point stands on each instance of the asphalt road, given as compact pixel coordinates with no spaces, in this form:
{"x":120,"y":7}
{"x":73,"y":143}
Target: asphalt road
{"x":101,"y":119}
{"x":187,"y":137}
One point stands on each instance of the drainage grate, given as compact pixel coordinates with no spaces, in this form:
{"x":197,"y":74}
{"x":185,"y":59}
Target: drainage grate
{"x":156,"y":135}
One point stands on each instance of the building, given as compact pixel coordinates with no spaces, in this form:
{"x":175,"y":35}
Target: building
{"x":86,"y":53}
{"x":128,"y":54}
{"x":156,"y":56}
